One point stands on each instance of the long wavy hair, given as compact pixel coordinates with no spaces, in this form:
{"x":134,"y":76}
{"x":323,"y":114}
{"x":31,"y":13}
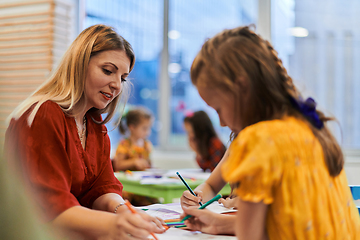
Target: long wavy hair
{"x":241,"y":53}
{"x":66,"y":85}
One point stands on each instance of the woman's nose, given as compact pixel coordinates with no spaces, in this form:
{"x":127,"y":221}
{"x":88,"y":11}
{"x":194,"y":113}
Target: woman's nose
{"x":116,"y":84}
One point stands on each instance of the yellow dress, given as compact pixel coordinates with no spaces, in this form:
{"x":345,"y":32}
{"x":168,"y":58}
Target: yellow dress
{"x":132,"y":151}
{"x":281,"y":163}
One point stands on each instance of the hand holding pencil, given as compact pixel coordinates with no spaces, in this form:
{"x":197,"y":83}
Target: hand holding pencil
{"x":189,"y":198}
{"x":207,"y":221}
{"x":135,"y":224}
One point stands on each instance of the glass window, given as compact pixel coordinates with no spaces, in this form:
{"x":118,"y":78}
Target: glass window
{"x":319,"y":44}
{"x":190,"y":24}
{"x":140,"y":22}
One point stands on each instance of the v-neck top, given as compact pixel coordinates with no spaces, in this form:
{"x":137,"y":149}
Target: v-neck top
{"x":59,"y":171}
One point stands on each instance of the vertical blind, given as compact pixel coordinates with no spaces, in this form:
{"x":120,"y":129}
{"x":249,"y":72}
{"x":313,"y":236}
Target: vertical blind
{"x":33,"y":37}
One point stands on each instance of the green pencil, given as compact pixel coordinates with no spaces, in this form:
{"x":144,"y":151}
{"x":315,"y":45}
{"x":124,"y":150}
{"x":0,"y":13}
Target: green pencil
{"x":217,"y":197}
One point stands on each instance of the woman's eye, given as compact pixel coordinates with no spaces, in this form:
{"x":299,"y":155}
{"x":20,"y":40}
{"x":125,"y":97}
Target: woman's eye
{"x":123,"y":80}
{"x":107,"y":72}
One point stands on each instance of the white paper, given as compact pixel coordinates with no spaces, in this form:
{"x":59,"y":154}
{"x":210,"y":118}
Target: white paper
{"x":180,"y":234}
{"x":173,"y":210}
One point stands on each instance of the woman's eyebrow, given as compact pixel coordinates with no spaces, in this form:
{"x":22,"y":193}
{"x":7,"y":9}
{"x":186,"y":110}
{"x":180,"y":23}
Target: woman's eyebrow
{"x":112,"y":64}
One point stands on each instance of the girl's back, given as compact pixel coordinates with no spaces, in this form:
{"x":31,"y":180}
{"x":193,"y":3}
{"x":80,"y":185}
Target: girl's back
{"x":281,"y":163}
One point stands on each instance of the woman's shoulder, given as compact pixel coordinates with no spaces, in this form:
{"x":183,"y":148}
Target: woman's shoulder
{"x":49,"y":107}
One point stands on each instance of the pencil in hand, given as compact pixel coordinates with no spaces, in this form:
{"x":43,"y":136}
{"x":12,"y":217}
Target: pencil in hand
{"x":131,"y":208}
{"x":187,"y":186}
{"x":217,"y":197}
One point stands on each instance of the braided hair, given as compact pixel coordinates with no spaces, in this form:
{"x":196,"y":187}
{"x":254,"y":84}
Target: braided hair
{"x":241,"y":53}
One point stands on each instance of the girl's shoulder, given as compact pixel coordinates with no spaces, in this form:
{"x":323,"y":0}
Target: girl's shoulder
{"x":276,"y":128}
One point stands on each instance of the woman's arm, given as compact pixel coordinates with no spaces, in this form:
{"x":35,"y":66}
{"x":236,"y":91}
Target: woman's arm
{"x":94,"y":224}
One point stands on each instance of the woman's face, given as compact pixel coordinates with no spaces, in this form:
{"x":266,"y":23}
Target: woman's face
{"x":106,"y":72}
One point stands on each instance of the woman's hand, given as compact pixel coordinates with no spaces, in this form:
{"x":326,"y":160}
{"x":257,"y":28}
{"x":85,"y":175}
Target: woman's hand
{"x":187,"y":199}
{"x":209,"y":222}
{"x":128,"y":225}
{"x":228,"y":202}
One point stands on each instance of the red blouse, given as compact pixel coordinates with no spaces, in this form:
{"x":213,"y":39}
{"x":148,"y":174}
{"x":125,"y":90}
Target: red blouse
{"x":61,"y":173}
{"x":216,"y":152}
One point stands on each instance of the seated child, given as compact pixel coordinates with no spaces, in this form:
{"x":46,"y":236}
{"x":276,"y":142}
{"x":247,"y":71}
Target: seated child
{"x":203,"y":140}
{"x":133,"y":152}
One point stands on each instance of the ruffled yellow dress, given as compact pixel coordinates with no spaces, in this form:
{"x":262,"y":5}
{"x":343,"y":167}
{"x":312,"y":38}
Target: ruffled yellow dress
{"x":281,"y":163}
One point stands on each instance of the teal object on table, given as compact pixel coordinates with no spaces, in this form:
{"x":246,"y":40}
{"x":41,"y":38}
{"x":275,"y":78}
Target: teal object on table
{"x":355,"y":190}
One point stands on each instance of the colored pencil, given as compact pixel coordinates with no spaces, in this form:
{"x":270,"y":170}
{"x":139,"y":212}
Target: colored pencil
{"x":187,"y":186}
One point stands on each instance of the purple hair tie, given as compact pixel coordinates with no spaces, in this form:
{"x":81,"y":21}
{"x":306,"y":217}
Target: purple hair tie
{"x":308,"y":109}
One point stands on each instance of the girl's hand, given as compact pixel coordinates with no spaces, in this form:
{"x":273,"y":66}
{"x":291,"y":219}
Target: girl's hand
{"x":209,"y":222}
{"x":228,"y":202}
{"x":187,"y":199}
{"x":128,"y":225}
{"x":141,"y":164}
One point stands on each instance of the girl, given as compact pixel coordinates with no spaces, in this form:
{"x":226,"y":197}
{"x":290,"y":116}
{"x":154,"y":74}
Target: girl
{"x":203,"y":140}
{"x":287,"y":166}
{"x":58,"y":139}
{"x":133,"y":153}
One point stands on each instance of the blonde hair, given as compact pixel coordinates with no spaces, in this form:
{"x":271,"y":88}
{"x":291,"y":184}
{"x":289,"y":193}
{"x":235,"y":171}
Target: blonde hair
{"x":66,"y":84}
{"x":239,"y":52}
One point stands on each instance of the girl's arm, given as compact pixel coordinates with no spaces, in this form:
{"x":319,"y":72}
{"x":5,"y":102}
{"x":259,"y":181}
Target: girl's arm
{"x":122,"y":164}
{"x":208,"y":189}
{"x":251,"y":220}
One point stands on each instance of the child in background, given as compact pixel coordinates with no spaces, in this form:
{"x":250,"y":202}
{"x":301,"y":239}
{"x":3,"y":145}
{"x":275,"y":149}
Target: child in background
{"x":286,"y":164}
{"x":203,"y":140}
{"x":133,"y":152}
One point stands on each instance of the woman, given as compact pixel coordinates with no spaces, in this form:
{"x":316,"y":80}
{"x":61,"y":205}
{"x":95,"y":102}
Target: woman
{"x":58,"y":138}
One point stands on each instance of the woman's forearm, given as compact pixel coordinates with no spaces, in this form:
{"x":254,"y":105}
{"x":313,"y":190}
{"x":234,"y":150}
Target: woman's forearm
{"x":85,"y":222}
{"x":107,"y":202}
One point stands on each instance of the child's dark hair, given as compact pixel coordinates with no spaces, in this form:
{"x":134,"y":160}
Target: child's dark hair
{"x":203,"y":131}
{"x":134,"y":117}
{"x":240,"y":53}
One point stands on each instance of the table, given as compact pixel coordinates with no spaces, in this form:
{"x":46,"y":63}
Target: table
{"x":166,"y":193}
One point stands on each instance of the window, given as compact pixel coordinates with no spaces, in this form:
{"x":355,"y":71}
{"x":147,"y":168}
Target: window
{"x":189,"y":24}
{"x":319,"y":45}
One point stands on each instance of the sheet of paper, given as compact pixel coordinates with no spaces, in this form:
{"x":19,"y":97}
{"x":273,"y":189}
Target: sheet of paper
{"x":173,"y":210}
{"x":179,"y":234}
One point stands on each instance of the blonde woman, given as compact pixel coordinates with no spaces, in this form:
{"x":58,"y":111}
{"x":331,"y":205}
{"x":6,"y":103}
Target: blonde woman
{"x":58,"y":139}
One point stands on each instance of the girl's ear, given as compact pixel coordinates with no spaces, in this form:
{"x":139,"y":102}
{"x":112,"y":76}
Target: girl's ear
{"x":242,"y":84}
{"x":131,"y":127}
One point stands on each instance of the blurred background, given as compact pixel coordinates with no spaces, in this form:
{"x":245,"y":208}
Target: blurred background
{"x":317,"y":40}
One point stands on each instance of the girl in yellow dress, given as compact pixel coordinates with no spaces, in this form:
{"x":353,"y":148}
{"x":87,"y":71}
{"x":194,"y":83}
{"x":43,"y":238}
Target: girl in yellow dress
{"x":287,"y":166}
{"x":133,"y":152}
